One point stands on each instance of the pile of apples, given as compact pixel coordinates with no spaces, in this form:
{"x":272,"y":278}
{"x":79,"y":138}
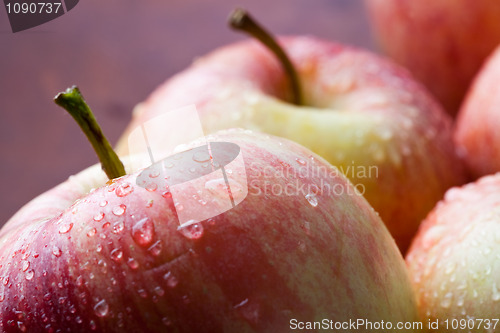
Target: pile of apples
{"x":101,"y":253}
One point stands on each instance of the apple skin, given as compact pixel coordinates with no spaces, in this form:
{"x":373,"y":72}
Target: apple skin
{"x":365,"y":115}
{"x":453,"y":261}
{"x":251,"y":269}
{"x":478,"y":121}
{"x":442,"y":42}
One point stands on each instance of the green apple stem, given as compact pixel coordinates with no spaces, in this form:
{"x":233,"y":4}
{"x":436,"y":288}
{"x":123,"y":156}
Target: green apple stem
{"x":242,"y":21}
{"x":72,"y":101}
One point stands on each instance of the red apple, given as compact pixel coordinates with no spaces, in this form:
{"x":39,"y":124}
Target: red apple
{"x":454,"y":260}
{"x":111,"y":257}
{"x":478,"y":121}
{"x":442,"y":42}
{"x":362,"y":113}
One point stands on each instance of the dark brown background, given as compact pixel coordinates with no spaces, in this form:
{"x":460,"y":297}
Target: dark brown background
{"x":118,"y":51}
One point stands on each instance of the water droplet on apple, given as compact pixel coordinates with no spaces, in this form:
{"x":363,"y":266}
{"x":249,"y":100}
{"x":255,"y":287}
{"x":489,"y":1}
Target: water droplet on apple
{"x":92,"y":325}
{"x":124,"y":190}
{"x":5,"y":280}
{"x":56,"y":251}
{"x":132,"y":263}
{"x":312,"y":199}
{"x":143,"y":293}
{"x":118,"y":227}
{"x":116,"y":254}
{"x":159,"y":291}
{"x":103,"y":203}
{"x":171,"y":280}
{"x":30,"y":274}
{"x":101,"y":309}
{"x":65,"y":228}
{"x":168,"y":164}
{"x":248,"y":310}
{"x":99,"y":216}
{"x":167,"y":195}
{"x":201,"y":156}
{"x":151,"y":187}
{"x":91,"y":232}
{"x":300,"y":161}
{"x":154,"y":173}
{"x":143,"y":232}
{"x":119,"y":210}
{"x":495,"y":295}
{"x":446,"y":300}
{"x":21,"y":326}
{"x":155,"y":249}
{"x":191,"y":230}
{"x":149,"y":204}
{"x":25,"y":265}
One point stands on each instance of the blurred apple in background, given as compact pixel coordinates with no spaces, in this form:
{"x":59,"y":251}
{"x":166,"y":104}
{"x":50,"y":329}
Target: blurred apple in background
{"x":478,"y":123}
{"x":454,"y":260}
{"x":362,"y":113}
{"x":442,"y":42}
{"x":108,"y":257}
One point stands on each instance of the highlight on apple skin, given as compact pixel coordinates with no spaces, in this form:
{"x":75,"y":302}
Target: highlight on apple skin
{"x":442,"y":42}
{"x":363,"y":114}
{"x":477,"y":129}
{"x":91,"y":256}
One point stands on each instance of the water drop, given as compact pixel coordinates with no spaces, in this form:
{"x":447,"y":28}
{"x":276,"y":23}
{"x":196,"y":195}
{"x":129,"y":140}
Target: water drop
{"x":446,"y":301}
{"x":151,"y":187}
{"x":103,"y":203}
{"x":92,"y":325}
{"x":312,"y":199}
{"x":25,"y":266}
{"x":30,"y":274}
{"x":154,"y":173}
{"x":116,"y":254}
{"x":118,"y":227}
{"x":167,"y":195}
{"x":21,"y":326}
{"x":155,"y":249}
{"x":79,"y":281}
{"x":124,"y":190}
{"x":201,"y":156}
{"x":166,"y":321}
{"x":99,"y":216}
{"x":143,"y":232}
{"x":192,"y":231}
{"x":98,"y":248}
{"x":171,"y":280}
{"x":300,"y":161}
{"x":56,"y":251}
{"x":65,"y":228}
{"x":92,"y":232}
{"x":143,"y":293}
{"x":105,"y":226}
{"x":159,"y":291}
{"x":168,"y":164}
{"x":149,"y":204}
{"x":119,"y":210}
{"x":132,"y":263}
{"x":101,"y":309}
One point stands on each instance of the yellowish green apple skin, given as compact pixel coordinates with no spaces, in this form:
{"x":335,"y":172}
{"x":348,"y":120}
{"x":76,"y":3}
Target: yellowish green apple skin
{"x":477,"y":130}
{"x":442,"y":42}
{"x":454,"y":260}
{"x":363,"y":114}
{"x":115,"y":258}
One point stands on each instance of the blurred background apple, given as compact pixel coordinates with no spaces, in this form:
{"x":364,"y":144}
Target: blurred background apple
{"x":118,"y":52}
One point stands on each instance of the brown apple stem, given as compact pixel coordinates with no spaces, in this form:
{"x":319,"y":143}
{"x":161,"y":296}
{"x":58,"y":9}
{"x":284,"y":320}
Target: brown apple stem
{"x":72,"y":101}
{"x":242,"y":21}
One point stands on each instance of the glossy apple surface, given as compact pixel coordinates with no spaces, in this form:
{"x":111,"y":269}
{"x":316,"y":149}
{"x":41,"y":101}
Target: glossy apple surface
{"x":363,"y":114}
{"x":442,"y":42}
{"x":114,"y":259}
{"x":453,"y":261}
{"x":477,"y":134}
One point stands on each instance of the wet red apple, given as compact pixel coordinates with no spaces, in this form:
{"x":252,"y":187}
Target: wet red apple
{"x":91,"y":255}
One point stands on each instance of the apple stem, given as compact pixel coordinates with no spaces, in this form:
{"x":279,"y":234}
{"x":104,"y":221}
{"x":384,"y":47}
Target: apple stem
{"x":242,"y":21}
{"x":72,"y":101}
